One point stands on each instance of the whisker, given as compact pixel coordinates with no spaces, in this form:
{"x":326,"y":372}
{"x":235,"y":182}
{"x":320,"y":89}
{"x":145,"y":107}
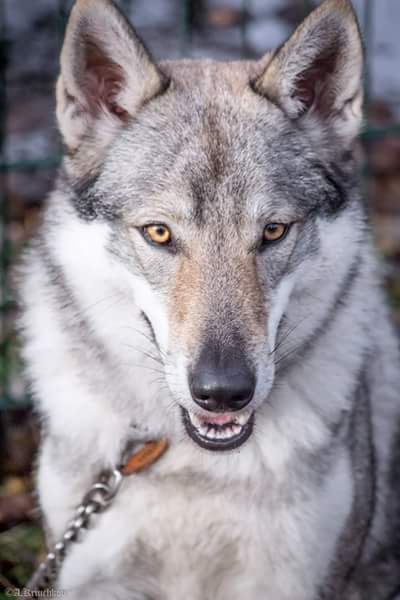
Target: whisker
{"x":144,"y":352}
{"x":286,"y":356}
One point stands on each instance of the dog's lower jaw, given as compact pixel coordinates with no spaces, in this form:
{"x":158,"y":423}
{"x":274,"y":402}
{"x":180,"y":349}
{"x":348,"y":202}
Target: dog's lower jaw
{"x":230,"y":433}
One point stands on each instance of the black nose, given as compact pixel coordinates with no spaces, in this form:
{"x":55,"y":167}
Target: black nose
{"x":222,"y":382}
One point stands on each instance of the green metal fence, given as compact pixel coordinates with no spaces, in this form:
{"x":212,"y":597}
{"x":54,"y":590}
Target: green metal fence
{"x":8,"y":348}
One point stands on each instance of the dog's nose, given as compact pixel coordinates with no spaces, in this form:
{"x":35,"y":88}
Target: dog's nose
{"x":221,"y":384}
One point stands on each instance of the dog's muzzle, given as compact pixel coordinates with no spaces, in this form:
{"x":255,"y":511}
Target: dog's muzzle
{"x":222,"y":385}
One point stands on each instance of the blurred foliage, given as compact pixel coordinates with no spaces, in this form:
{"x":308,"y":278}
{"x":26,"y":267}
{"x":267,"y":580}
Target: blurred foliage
{"x":19,"y":549}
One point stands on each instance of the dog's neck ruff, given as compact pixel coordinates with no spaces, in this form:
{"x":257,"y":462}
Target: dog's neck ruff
{"x":96,"y":500}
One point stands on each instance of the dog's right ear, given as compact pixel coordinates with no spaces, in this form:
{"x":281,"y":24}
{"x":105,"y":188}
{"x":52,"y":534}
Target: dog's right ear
{"x":106,"y":74}
{"x":317,"y":75}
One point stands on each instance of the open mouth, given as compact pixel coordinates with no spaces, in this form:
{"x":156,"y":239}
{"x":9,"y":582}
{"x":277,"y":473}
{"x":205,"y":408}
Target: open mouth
{"x":220,"y":431}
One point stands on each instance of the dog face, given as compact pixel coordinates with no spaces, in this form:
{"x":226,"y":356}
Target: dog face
{"x":223,"y":187}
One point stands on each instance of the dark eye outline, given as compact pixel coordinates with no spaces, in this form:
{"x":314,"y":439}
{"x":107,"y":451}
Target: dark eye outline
{"x":148,"y":238}
{"x":265,"y":243}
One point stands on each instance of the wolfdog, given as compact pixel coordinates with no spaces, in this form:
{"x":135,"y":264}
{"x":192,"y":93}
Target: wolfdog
{"x":204,"y":273}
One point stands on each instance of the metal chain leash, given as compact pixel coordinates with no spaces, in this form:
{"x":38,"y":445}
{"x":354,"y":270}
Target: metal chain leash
{"x":99,"y":497}
{"x":96,"y":500}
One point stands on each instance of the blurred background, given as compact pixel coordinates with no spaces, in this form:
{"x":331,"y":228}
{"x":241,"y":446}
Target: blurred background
{"x":31,"y":34}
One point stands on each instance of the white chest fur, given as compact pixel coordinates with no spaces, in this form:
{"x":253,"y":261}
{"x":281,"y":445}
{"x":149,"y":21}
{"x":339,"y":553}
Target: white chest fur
{"x":171,"y":537}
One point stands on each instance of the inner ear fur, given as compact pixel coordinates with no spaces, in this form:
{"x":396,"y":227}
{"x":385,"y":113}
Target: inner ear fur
{"x":319,"y":70}
{"x":106,"y":72}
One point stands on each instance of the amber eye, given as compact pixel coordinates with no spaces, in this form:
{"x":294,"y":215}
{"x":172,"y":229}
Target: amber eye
{"x":274,"y":232}
{"x":157,"y":233}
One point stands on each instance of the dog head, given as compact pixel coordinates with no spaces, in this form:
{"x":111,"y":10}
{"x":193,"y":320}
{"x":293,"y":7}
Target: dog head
{"x":223,"y":187}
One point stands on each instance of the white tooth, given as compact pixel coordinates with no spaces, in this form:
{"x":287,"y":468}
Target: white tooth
{"x":203,"y":430}
{"x":243,"y":418}
{"x":228,"y":433}
{"x":194,"y":419}
{"x":236,"y":429}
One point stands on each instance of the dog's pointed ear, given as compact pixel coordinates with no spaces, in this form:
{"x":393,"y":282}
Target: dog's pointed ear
{"x":319,"y":71}
{"x":106,"y":72}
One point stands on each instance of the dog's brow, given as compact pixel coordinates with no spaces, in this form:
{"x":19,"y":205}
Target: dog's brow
{"x":168,"y":207}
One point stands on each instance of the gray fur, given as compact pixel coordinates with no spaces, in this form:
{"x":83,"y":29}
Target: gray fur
{"x":113,"y":324}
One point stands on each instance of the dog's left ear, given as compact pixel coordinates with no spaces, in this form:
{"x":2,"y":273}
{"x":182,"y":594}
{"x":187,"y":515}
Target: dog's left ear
{"x":106,"y":74}
{"x":318,"y":72}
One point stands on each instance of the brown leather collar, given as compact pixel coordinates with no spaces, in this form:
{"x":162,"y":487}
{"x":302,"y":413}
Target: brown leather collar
{"x":143,"y":458}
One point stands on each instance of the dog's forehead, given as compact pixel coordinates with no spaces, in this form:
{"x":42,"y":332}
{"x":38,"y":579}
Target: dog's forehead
{"x":213,"y":77}
{"x":210,"y":146}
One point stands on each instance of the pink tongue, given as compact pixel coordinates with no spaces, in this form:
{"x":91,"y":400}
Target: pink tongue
{"x":219,"y":419}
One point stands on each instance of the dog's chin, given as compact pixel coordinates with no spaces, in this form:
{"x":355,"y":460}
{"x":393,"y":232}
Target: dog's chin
{"x":220,"y":431}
